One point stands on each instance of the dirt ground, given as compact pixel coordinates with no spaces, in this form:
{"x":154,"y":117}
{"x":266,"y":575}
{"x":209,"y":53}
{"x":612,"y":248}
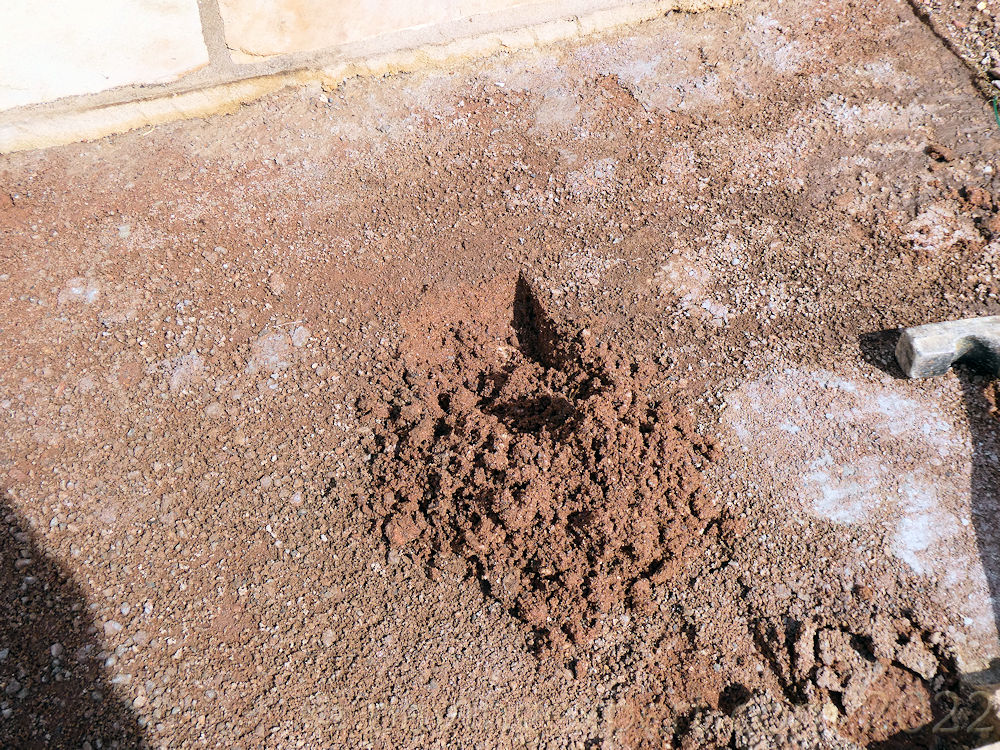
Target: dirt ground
{"x":970,"y":29}
{"x":280,"y":405}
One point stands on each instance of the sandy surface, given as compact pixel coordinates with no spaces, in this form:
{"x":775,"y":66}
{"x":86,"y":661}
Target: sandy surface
{"x":198,"y":323}
{"x":970,"y":29}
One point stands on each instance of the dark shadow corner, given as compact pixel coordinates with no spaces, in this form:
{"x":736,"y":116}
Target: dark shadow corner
{"x":53,"y":690}
{"x":984,"y":427}
{"x":977,"y":382}
{"x":537,"y":336}
{"x":879,"y":350}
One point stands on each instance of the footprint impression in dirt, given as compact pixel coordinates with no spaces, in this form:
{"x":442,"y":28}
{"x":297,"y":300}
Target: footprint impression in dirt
{"x":538,"y":459}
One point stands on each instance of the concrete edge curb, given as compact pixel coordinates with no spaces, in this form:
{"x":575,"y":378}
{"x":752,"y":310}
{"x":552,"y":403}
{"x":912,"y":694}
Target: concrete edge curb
{"x":83,"y":122}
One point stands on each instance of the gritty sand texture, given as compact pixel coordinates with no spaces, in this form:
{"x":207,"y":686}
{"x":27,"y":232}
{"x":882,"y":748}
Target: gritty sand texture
{"x":208,"y":332}
{"x":970,"y":28}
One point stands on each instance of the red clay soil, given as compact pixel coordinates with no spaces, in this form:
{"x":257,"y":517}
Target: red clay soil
{"x":536,"y":455}
{"x":381,"y":417}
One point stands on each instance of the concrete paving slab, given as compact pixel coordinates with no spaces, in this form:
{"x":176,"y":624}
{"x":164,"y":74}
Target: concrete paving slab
{"x":298,"y":25}
{"x":64,"y":48}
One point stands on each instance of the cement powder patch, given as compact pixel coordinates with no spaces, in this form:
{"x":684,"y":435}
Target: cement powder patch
{"x":883,"y":454}
{"x":67,"y":48}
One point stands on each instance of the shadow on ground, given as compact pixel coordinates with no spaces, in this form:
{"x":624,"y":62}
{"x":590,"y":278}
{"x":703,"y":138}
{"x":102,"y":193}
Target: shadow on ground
{"x":878,"y":349}
{"x":53,"y":690}
{"x":985,"y":483}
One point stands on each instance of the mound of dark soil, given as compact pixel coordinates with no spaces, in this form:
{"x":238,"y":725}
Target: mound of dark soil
{"x":541,"y":461}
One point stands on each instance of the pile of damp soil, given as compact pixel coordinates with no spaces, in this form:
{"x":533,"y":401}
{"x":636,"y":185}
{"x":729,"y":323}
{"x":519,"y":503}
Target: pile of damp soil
{"x":515,"y":445}
{"x":540,"y":461}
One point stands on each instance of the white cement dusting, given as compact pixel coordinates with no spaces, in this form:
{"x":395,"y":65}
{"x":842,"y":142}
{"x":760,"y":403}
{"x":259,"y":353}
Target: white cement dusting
{"x":185,"y":370}
{"x":939,"y":227}
{"x":883,"y":454}
{"x":80,"y":290}
{"x":667,"y":81}
{"x":874,"y":116}
{"x":774,"y":47}
{"x":270,"y":352}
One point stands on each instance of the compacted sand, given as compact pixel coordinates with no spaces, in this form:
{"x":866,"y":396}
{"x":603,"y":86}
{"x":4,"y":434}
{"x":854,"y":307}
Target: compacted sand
{"x":547,"y":402}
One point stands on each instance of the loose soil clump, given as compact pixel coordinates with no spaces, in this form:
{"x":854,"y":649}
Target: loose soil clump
{"x":542,"y":462}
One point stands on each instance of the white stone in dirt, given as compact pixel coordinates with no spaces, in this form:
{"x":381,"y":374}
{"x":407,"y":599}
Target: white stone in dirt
{"x":941,"y":226}
{"x":271,"y":352}
{"x":66,"y":47}
{"x":276,"y":283}
{"x":929,"y":350}
{"x":595,"y":177}
{"x":300,"y":336}
{"x":888,"y":454}
{"x":184,"y":370}
{"x":79,"y":290}
{"x":689,"y":280}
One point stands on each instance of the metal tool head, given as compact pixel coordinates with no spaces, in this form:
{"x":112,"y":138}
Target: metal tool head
{"x":929,"y":350}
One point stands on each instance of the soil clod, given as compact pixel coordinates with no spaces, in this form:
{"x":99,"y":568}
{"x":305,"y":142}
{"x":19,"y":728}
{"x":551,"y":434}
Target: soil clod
{"x":542,"y":462}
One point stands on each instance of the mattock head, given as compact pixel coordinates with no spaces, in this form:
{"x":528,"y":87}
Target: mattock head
{"x":929,"y":350}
